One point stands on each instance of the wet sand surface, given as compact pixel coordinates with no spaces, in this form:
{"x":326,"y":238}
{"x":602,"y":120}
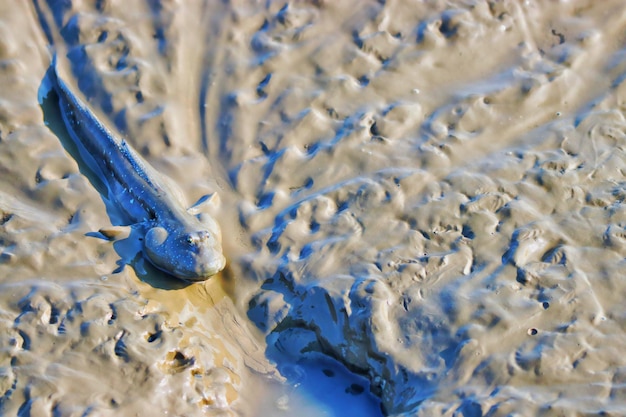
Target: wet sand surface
{"x":422,"y":208}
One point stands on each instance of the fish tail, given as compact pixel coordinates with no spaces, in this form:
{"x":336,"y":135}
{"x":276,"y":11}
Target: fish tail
{"x":52,"y":72}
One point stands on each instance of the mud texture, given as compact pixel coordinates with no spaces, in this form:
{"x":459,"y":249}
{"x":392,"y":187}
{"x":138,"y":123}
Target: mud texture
{"x":426,"y":197}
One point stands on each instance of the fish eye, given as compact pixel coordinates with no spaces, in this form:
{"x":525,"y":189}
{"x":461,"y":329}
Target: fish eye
{"x":197,"y":237}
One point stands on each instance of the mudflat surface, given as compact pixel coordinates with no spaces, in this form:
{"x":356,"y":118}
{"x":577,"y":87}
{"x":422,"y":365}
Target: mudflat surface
{"x":421,"y":206}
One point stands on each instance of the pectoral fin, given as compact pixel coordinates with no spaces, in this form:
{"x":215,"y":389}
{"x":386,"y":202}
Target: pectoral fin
{"x":112,"y":233}
{"x":206,"y":203}
{"x":155,"y":237}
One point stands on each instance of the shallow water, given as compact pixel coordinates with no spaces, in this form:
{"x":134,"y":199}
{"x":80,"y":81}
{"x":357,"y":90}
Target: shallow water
{"x":421,"y":203}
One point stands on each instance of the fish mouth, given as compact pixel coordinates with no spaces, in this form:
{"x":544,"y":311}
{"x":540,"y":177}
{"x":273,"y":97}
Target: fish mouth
{"x":213,"y":267}
{"x":202,"y":271}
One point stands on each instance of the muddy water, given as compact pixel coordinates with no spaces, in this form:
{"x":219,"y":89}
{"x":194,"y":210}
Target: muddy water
{"x":421,"y":203}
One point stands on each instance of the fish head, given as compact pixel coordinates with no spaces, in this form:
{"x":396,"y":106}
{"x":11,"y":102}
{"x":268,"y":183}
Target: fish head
{"x":191,"y":252}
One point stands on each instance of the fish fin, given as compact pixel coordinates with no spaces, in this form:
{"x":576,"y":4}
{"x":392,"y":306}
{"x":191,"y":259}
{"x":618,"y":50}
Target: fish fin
{"x":206,"y":203}
{"x":112,"y":233}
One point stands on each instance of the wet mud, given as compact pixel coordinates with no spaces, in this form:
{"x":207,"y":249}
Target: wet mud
{"x":422,"y":209}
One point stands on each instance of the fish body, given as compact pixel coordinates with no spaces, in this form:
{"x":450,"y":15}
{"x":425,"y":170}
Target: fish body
{"x":177,"y":242}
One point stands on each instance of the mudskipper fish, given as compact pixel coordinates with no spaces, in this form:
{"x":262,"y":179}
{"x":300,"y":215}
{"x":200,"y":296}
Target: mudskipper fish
{"x":184,"y":245}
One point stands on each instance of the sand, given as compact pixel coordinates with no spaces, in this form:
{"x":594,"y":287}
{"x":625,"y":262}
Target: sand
{"x":421,"y":205}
